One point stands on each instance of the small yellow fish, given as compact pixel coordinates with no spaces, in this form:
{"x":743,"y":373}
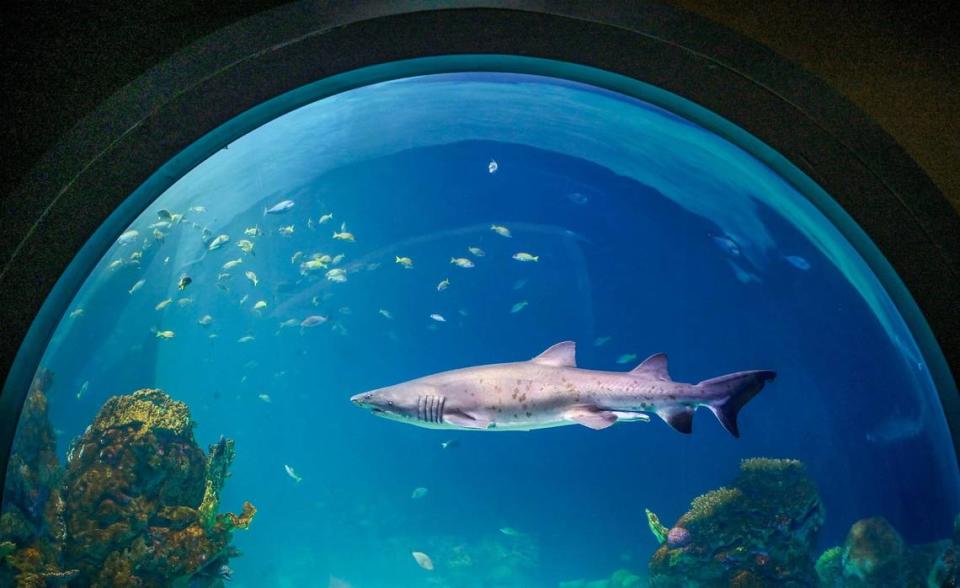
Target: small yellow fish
{"x":163,"y":304}
{"x":158,"y":235}
{"x":184,"y":301}
{"x":501,"y":230}
{"x":165,"y":334}
{"x":264,"y":397}
{"x":325,"y":218}
{"x":198,"y":209}
{"x":136,"y":286}
{"x":461,"y":262}
{"x":76,"y":313}
{"x":385,"y":313}
{"x":245,"y":245}
{"x":245,"y":339}
{"x":115,"y":264}
{"x":337,"y":258}
{"x":443,"y":285}
{"x":205,"y":320}
{"x":525,"y":257}
{"x":476,"y":251}
{"x":260,"y":305}
{"x":406,"y":262}
{"x":136,"y":256}
{"x":287,"y":230}
{"x":310,"y":223}
{"x":252,"y":231}
{"x":252,"y":277}
{"x":296,"y":256}
{"x":184,"y":281}
{"x":232,"y":263}
{"x":344,"y":236}
{"x":244,"y":299}
{"x":218,"y":242}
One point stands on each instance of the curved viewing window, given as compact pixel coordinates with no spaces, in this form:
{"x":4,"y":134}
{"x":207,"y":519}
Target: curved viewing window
{"x":445,"y":221}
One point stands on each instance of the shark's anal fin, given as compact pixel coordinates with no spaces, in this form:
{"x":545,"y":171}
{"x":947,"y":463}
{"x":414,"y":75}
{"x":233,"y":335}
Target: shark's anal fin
{"x":678,"y":417}
{"x":563,"y":354}
{"x":461,"y":419}
{"x":593,"y":418}
{"x":654,"y":366}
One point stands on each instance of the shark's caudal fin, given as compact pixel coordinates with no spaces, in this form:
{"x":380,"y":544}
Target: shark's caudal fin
{"x":734,"y":390}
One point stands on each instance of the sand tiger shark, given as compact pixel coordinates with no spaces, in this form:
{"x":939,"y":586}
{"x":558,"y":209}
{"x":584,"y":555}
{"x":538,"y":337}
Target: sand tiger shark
{"x":551,"y":391}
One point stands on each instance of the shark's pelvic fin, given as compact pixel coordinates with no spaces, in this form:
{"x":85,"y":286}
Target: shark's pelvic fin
{"x":678,"y":417}
{"x":591,"y":417}
{"x":654,"y":366}
{"x":563,"y":354}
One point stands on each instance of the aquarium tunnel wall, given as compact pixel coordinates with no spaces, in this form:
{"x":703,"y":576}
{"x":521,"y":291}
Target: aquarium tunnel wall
{"x":668,"y":338}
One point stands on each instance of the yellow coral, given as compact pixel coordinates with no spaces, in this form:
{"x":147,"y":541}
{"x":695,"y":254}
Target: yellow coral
{"x":706,"y":505}
{"x":147,"y":408}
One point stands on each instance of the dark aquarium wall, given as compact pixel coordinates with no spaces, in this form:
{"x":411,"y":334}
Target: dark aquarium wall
{"x":672,"y":369}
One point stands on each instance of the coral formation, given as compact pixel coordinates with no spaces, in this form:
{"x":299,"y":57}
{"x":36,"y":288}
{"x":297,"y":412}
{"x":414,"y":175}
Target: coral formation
{"x":139,"y":502}
{"x":758,"y":532}
{"x":874,"y":554}
{"x":620,"y":579}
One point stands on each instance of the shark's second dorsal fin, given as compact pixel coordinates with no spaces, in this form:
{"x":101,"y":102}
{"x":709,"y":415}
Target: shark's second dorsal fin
{"x":563,"y":354}
{"x":654,"y":366}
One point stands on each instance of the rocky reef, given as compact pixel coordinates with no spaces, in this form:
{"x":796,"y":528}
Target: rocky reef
{"x":620,"y":579}
{"x":874,"y":555}
{"x":136,"y":504}
{"x":759,"y":531}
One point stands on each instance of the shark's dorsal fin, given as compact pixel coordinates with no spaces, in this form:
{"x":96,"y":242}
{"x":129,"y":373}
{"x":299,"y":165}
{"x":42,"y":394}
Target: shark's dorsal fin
{"x":563,"y":354}
{"x":654,"y":366}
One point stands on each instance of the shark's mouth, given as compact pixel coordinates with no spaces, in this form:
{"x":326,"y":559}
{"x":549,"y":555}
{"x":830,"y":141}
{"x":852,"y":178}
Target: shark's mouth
{"x":430,"y":408}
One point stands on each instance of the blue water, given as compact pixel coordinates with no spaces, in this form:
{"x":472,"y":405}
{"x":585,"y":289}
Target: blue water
{"x":651,"y":233}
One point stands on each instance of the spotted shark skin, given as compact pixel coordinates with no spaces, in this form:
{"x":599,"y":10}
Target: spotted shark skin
{"x":551,"y":391}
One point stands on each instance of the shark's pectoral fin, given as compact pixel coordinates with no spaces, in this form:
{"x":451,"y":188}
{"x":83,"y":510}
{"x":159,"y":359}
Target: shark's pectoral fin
{"x":595,"y":419}
{"x":462,"y":419}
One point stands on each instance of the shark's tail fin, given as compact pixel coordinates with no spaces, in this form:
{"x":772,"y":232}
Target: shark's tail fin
{"x":732,"y":391}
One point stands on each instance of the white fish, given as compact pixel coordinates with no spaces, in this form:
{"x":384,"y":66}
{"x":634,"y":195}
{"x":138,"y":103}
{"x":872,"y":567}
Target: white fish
{"x":501,"y":230}
{"x":385,"y":313}
{"x":312,"y":321}
{"x":438,"y":317}
{"x":264,"y":397}
{"x":797,"y":262}
{"x":627,"y":358}
{"x":279,"y":207}
{"x":448,"y":444}
{"x":524,"y":256}
{"x":205,"y":320}
{"x":461,"y":262}
{"x":163,"y":304}
{"x":137,"y":286}
{"x":337,"y":275}
{"x":128,"y":237}
{"x":252,"y":277}
{"x":232,"y":263}
{"x":418,"y":492}
{"x":245,"y":339}
{"x":600,"y":341}
{"x":218,"y":242}
{"x":83,"y":389}
{"x":493,"y":166}
{"x":325,"y":218}
{"x":510,"y":532}
{"x":77,"y":312}
{"x":520,"y":283}
{"x":476,"y":251}
{"x":443,"y":285}
{"x":292,"y":473}
{"x":423,"y":560}
{"x":518,"y":306}
{"x":742,"y":275}
{"x":198,"y":209}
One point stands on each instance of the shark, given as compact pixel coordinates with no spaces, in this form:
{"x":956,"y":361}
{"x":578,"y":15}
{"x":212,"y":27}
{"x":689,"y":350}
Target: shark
{"x":551,"y":391}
